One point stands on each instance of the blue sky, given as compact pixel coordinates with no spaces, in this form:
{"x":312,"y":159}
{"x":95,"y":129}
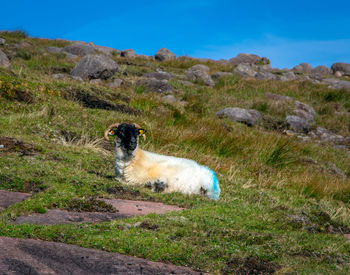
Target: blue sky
{"x":287,"y":32}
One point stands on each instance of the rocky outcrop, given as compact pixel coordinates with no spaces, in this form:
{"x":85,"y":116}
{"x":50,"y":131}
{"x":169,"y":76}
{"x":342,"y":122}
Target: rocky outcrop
{"x":4,"y":61}
{"x":344,"y":68}
{"x":337,"y":83}
{"x":245,"y":70}
{"x":249,"y":117}
{"x":200,"y":72}
{"x":326,"y":135}
{"x":303,"y":68}
{"x":154,"y":85}
{"x":304,"y":111}
{"x":298,"y":124}
{"x":130,"y":53}
{"x":95,"y":66}
{"x":321,"y":70}
{"x":164,"y":54}
{"x":105,"y":50}
{"x":80,"y":49}
{"x":249,"y":59}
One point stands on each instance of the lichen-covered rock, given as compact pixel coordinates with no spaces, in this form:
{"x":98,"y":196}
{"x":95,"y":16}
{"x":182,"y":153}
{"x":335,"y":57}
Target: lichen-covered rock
{"x":129,"y":53}
{"x":298,"y":124}
{"x":245,"y":70}
{"x":303,"y":68}
{"x":164,"y":54}
{"x":154,"y":85}
{"x":200,"y":72}
{"x":304,"y":111}
{"x":341,"y":67}
{"x":265,"y":76}
{"x":248,"y":59}
{"x":4,"y":61}
{"x":79,"y":49}
{"x":95,"y":66}
{"x":249,"y":117}
{"x":321,"y":70}
{"x":326,"y":135}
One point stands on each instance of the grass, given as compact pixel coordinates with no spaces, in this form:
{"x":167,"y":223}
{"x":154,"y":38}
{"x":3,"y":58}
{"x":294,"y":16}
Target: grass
{"x":265,"y":177}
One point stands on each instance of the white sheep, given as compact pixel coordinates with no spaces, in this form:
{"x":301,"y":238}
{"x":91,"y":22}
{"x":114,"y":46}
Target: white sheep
{"x":136,"y":167}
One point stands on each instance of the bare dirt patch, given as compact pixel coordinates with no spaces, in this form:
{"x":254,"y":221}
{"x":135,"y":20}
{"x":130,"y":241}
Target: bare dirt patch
{"x":9,"y":198}
{"x":21,"y":96}
{"x":22,"y":256}
{"x":14,"y":145}
{"x":251,"y":266}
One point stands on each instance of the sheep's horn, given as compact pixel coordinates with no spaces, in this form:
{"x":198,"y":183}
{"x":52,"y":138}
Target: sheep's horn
{"x":115,"y":125}
{"x":138,"y":126}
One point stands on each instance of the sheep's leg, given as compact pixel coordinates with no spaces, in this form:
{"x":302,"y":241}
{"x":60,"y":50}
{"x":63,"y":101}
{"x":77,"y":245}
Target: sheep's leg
{"x":159,"y":186}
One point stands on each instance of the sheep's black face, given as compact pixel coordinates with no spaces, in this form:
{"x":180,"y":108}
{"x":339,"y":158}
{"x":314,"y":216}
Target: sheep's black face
{"x":127,"y":134}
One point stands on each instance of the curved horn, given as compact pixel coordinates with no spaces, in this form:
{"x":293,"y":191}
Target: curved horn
{"x":138,"y":126}
{"x":115,"y":125}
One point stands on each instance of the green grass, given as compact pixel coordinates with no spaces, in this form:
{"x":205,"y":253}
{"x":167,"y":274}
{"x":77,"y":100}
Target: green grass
{"x":265,"y":177}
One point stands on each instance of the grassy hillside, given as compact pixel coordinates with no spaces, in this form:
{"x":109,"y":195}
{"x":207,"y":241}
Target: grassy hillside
{"x":282,"y":204}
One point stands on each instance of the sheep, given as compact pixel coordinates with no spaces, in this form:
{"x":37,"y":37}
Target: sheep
{"x":136,"y":167}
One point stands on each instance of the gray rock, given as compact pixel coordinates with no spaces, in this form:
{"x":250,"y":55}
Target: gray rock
{"x":154,"y":85}
{"x":105,"y":50}
{"x":304,"y":111}
{"x":2,"y":41}
{"x":326,"y":135}
{"x":70,"y":56}
{"x":200,"y":72}
{"x":159,"y":75}
{"x":164,"y":54}
{"x":95,"y":66}
{"x":116,"y":83}
{"x":58,"y":76}
{"x":337,"y":83}
{"x":4,"y":61}
{"x":54,"y":49}
{"x":321,"y":70}
{"x":249,"y":117}
{"x":77,"y":78}
{"x":216,"y":76}
{"x":298,"y":124}
{"x":316,"y":76}
{"x":130,"y":53}
{"x":277,"y":97}
{"x":169,"y":98}
{"x":290,"y":76}
{"x":245,"y":58}
{"x":265,"y":76}
{"x":303,"y":68}
{"x":147,"y":57}
{"x":261,"y":68}
{"x":187,"y":83}
{"x":341,"y":67}
{"x":245,"y":70}
{"x":335,"y":170}
{"x":79,"y":49}
{"x":338,"y":74}
{"x":96,"y":81}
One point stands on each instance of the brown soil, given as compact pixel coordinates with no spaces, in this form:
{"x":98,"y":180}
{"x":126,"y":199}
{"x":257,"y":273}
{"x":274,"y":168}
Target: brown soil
{"x":251,"y":266}
{"x":15,"y":145}
{"x":19,"y":95}
{"x":123,"y":209}
{"x":25,"y":256}
{"x":9,"y":198}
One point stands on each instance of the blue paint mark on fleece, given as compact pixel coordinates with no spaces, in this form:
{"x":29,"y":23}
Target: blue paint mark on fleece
{"x":215,"y":193}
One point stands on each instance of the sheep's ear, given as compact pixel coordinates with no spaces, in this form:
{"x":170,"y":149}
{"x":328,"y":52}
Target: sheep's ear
{"x":112,"y":132}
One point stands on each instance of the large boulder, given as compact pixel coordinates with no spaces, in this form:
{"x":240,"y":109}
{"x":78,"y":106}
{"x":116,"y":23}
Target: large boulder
{"x":164,"y":54}
{"x":304,"y":111}
{"x":95,"y":66}
{"x":154,"y":85}
{"x":245,"y":70}
{"x":298,"y":124}
{"x":303,"y":68}
{"x":245,"y":58}
{"x":249,"y":117}
{"x":321,"y":70}
{"x":129,"y":53}
{"x":4,"y":61}
{"x":159,"y":75}
{"x":200,"y":72}
{"x":337,"y":83}
{"x":341,"y":67}
{"x":265,"y":75}
{"x":80,"y":49}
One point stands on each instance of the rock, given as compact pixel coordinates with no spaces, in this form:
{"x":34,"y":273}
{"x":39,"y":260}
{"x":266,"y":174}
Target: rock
{"x":187,"y":83}
{"x":159,"y":75}
{"x":338,"y":74}
{"x":277,"y":97}
{"x":303,"y":68}
{"x":335,"y":170}
{"x":95,"y":66}
{"x":200,"y":72}
{"x":326,"y":135}
{"x":316,"y":76}
{"x":164,"y":54}
{"x":245,"y":58}
{"x":265,"y":76}
{"x":290,"y":76}
{"x":54,"y":49}
{"x":169,"y":99}
{"x":77,"y":78}
{"x":304,"y":111}
{"x":8,"y":198}
{"x":58,"y":76}
{"x":2,"y":41}
{"x":105,"y":50}
{"x":298,"y":124}
{"x":96,"y":81}
{"x":337,"y":83}
{"x":4,"y":61}
{"x":147,"y":57}
{"x":116,"y":83}
{"x":79,"y":49}
{"x":70,"y":56}
{"x":245,"y":70}
{"x":321,"y":70}
{"x":216,"y":76}
{"x":128,"y":53}
{"x":341,"y":67}
{"x":261,"y":68}
{"x":249,"y":117}
{"x":154,"y":85}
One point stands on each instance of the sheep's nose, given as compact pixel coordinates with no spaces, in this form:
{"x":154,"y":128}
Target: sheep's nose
{"x":133,"y":140}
